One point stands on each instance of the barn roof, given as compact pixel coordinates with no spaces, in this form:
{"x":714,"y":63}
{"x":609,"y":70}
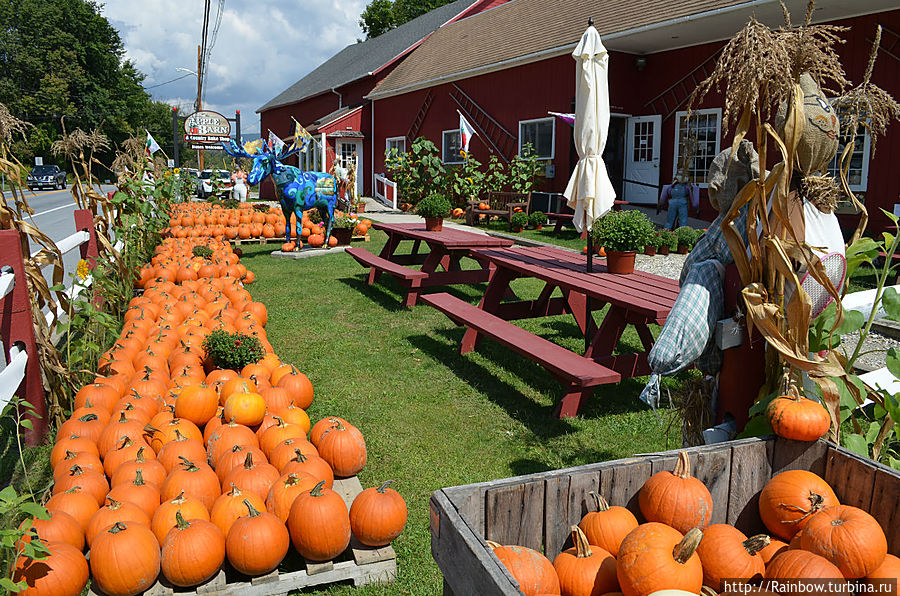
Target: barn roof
{"x":365,"y":58}
{"x":523,"y":31}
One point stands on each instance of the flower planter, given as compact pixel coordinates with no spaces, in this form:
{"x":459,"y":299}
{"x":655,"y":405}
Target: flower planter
{"x":434,"y":224}
{"x":683,"y":249}
{"x":662,"y":250}
{"x":360,"y":207}
{"x":516,"y":229}
{"x":650,"y":250}
{"x":342,"y":235}
{"x":618,"y":261}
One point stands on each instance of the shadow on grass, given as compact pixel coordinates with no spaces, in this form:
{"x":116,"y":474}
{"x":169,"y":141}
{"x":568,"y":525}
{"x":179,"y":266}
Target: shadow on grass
{"x":385,"y":292}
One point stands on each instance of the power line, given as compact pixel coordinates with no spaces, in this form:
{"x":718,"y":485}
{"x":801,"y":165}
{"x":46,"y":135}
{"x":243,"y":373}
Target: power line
{"x":190,"y":74}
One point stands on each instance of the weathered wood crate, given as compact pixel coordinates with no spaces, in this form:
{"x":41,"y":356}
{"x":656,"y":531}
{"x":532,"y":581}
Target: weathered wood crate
{"x":359,"y":564}
{"x":280,"y":240}
{"x":537,"y":510}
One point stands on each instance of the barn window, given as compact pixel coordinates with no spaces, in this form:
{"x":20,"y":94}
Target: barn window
{"x":858,"y":174}
{"x":701,"y":137}
{"x":540,"y":134}
{"x":397,"y":144}
{"x":451,"y":147}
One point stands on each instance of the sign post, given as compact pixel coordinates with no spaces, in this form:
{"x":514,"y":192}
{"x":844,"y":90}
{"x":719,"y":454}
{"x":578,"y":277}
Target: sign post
{"x":206,"y":129}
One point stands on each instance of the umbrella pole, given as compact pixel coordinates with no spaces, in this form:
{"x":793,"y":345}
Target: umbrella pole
{"x":588,"y":318}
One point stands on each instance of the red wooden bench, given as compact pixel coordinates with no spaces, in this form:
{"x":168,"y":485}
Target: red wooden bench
{"x":501,"y":204}
{"x":578,"y":374}
{"x":560,"y":220}
{"x":410,"y":278}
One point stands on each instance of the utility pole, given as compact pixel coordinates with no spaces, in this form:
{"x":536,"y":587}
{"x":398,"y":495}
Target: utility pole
{"x":175,"y":136}
{"x":199,"y":95}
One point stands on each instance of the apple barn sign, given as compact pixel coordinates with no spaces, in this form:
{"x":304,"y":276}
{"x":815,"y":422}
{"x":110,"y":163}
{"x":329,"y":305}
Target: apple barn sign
{"x":205,"y":128}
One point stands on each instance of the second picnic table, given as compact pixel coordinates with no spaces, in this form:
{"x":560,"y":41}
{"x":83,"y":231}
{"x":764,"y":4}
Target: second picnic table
{"x":446,"y":249}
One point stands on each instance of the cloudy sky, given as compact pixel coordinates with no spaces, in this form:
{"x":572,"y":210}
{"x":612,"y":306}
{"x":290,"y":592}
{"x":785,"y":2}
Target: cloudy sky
{"x":262,"y":47}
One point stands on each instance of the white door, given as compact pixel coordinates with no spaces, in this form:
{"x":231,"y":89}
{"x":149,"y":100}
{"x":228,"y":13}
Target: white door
{"x":642,"y":159}
{"x":350,"y":156}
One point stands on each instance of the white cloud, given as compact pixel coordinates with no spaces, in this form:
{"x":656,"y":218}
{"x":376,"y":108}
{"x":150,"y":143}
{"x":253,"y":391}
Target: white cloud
{"x":262,"y":47}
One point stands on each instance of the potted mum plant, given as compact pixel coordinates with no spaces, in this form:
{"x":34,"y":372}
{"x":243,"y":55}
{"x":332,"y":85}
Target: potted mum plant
{"x":343,"y":229}
{"x":434,"y":208}
{"x":687,"y":238}
{"x":537,"y":220}
{"x":622,"y":234}
{"x":666,"y":240}
{"x":518,"y":221}
{"x":650,"y":248}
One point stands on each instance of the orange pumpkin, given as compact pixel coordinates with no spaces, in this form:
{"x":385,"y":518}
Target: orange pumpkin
{"x":245,"y":408}
{"x":726,"y":552}
{"x":319,"y":524}
{"x":164,"y":517}
{"x":789,"y":499}
{"x":192,"y":552}
{"x":533,"y":571}
{"x":230,"y":506}
{"x":283,"y":492}
{"x":124,"y":559}
{"x":676,"y":498}
{"x":798,"y":418}
{"x":378,"y":516}
{"x":257,"y":543}
{"x":848,"y":537}
{"x":62,"y":572}
{"x":607,"y":526}
{"x":585,"y":569}
{"x":344,"y":448}
{"x":655,"y":557}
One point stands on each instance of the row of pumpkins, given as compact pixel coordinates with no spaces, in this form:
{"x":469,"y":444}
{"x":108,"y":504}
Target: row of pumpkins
{"x":191,"y":220}
{"x":170,"y":465}
{"x":677,"y":552}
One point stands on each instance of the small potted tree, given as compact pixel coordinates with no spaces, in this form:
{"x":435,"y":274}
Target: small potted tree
{"x":622,"y":234}
{"x":518,"y":221}
{"x":687,"y":237}
{"x":650,"y":248}
{"x":537,"y":220}
{"x":433,"y":208}
{"x":343,"y":230}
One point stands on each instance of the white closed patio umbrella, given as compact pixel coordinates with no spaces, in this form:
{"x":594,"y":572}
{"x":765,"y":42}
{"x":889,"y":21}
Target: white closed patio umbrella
{"x":589,"y":192}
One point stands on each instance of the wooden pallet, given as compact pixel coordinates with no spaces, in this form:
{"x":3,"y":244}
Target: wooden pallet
{"x":238,"y":241}
{"x":360,"y":564}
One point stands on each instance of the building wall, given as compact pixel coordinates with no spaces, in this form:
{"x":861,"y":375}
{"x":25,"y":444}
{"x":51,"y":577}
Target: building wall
{"x":529,"y":91}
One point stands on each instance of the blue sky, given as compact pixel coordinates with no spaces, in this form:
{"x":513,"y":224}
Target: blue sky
{"x":262,"y":47}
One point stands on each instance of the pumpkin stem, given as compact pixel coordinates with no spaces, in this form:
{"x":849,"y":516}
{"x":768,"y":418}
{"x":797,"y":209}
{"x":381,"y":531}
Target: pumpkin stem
{"x":237,"y":448}
{"x":74,"y":489}
{"x":70,"y":454}
{"x":76,"y":470}
{"x":707,"y":591}
{"x":117,"y":527}
{"x":87,"y":402}
{"x":88,"y":418}
{"x":317,"y":491}
{"x":279,"y":421}
{"x":384,"y":486}
{"x":599,"y":501}
{"x":147,"y":372}
{"x":180,"y":523}
{"x":180,"y":498}
{"x":582,"y":547}
{"x":683,"y":467}
{"x":299,"y":456}
{"x":248,"y":461}
{"x":113,"y":504}
{"x":235,"y":491}
{"x":139,"y":458}
{"x":139,"y":478}
{"x":122,"y":418}
{"x":754,"y":544}
{"x":292,"y":479}
{"x":815,"y":504}
{"x":179,"y":436}
{"x":188,"y":464}
{"x":126,"y":442}
{"x":492,"y":545}
{"x":250,"y":508}
{"x":685,"y":549}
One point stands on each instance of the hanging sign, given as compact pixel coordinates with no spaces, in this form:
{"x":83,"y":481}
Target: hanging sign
{"x":206,"y":126}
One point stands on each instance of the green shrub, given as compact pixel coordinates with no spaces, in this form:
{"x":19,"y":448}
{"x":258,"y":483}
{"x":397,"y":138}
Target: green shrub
{"x":687,"y":236}
{"x":537,"y":218}
{"x":232,"y":350}
{"x":519,"y":220}
{"x":623,"y":231}
{"x":433,"y":206}
{"x":202,"y":251}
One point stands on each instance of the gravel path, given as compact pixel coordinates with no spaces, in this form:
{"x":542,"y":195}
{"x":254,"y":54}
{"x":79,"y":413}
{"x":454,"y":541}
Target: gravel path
{"x":877,"y":344}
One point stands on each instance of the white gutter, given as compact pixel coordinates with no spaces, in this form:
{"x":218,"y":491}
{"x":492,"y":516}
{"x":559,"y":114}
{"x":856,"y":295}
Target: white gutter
{"x":561,"y":50}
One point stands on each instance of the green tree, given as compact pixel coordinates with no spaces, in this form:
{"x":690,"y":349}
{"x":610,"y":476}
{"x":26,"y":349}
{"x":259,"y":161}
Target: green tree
{"x":380,"y":16}
{"x":62,"y":58}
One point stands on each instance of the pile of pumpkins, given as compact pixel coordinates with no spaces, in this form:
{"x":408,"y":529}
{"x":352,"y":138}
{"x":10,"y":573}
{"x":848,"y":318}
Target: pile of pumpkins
{"x":175,"y":261}
{"x":192,"y":220}
{"x":313,"y":233}
{"x":170,"y":465}
{"x":677,"y":552}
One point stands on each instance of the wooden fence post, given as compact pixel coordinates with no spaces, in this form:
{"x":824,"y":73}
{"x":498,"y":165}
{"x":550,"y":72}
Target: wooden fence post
{"x":16,"y":325}
{"x":84,"y":221}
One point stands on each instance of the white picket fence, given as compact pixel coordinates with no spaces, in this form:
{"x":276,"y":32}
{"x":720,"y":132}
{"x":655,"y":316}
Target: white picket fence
{"x":386,"y":191}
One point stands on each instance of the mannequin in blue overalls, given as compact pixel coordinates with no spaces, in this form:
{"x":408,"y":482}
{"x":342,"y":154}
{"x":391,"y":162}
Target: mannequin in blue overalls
{"x":676,"y":196}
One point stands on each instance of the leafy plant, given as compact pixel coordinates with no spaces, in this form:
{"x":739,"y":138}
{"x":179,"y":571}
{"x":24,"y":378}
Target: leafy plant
{"x":687,"y":236}
{"x":345,"y":222}
{"x":419,"y":172}
{"x":518,"y":220}
{"x":230,"y":203}
{"x":523,"y":170}
{"x":13,"y":508}
{"x":465,"y":181}
{"x":623,"y":231}
{"x":666,"y":238}
{"x":232,"y":350}
{"x":495,"y":179}
{"x":202,"y":251}
{"x":537,"y":218}
{"x":433,"y":206}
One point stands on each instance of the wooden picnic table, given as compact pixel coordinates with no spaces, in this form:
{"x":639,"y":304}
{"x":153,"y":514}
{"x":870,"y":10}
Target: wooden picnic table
{"x":445,"y":251}
{"x":638,"y":300}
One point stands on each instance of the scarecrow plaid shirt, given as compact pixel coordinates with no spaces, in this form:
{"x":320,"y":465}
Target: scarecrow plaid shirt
{"x":688,"y":335}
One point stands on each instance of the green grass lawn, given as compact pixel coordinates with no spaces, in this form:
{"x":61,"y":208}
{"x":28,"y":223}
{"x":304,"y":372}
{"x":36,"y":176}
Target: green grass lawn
{"x":568,"y":238}
{"x":431,"y":417}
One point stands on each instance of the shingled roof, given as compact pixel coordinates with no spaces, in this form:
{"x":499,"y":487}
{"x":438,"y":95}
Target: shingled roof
{"x":527,"y":28}
{"x":361,"y":59}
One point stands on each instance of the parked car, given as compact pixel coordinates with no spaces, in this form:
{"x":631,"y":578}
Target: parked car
{"x":222,"y":186}
{"x":46,"y":177}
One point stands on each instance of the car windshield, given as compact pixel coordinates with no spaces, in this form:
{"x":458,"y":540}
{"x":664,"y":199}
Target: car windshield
{"x":224,"y":174}
{"x":43,"y":170}
{"x":205,"y":175}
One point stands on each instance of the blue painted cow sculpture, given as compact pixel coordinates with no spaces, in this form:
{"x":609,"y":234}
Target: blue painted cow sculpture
{"x":296,"y":189}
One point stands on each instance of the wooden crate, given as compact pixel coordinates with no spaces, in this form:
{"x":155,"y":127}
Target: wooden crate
{"x":359,"y":564}
{"x":280,"y":240}
{"x":537,"y":510}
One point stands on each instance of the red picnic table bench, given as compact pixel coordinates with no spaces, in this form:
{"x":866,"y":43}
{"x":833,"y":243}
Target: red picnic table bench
{"x":446,"y":249}
{"x":638,"y":300}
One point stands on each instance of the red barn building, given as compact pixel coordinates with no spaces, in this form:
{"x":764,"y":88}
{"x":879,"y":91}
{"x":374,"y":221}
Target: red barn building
{"x":330,"y":99}
{"x":506,"y":67}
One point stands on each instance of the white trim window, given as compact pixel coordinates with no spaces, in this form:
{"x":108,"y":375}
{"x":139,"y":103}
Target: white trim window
{"x":705,"y":130}
{"x":451,"y":146}
{"x":541,"y":133}
{"x":858,"y":174}
{"x":394,"y":143}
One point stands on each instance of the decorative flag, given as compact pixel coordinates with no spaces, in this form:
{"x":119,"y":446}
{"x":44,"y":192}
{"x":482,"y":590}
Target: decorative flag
{"x":151,"y":146}
{"x":275,"y":144}
{"x":570,"y":118}
{"x":465,"y":132}
{"x":302,"y":138}
{"x":254,"y":147}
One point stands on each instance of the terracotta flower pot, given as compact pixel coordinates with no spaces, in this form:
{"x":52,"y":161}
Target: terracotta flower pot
{"x":683,"y":249}
{"x":360,"y":207}
{"x":434,"y":224}
{"x":618,"y":261}
{"x":517,"y":229}
{"x":650,"y":250}
{"x":663,"y":250}
{"x":342,"y":235}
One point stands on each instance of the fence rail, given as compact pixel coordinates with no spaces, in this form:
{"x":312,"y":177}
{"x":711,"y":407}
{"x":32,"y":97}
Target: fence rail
{"x":386,"y":191}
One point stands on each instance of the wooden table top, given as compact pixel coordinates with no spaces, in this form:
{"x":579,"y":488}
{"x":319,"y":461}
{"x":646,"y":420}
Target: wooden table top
{"x":649,"y":294}
{"x":447,"y":237}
